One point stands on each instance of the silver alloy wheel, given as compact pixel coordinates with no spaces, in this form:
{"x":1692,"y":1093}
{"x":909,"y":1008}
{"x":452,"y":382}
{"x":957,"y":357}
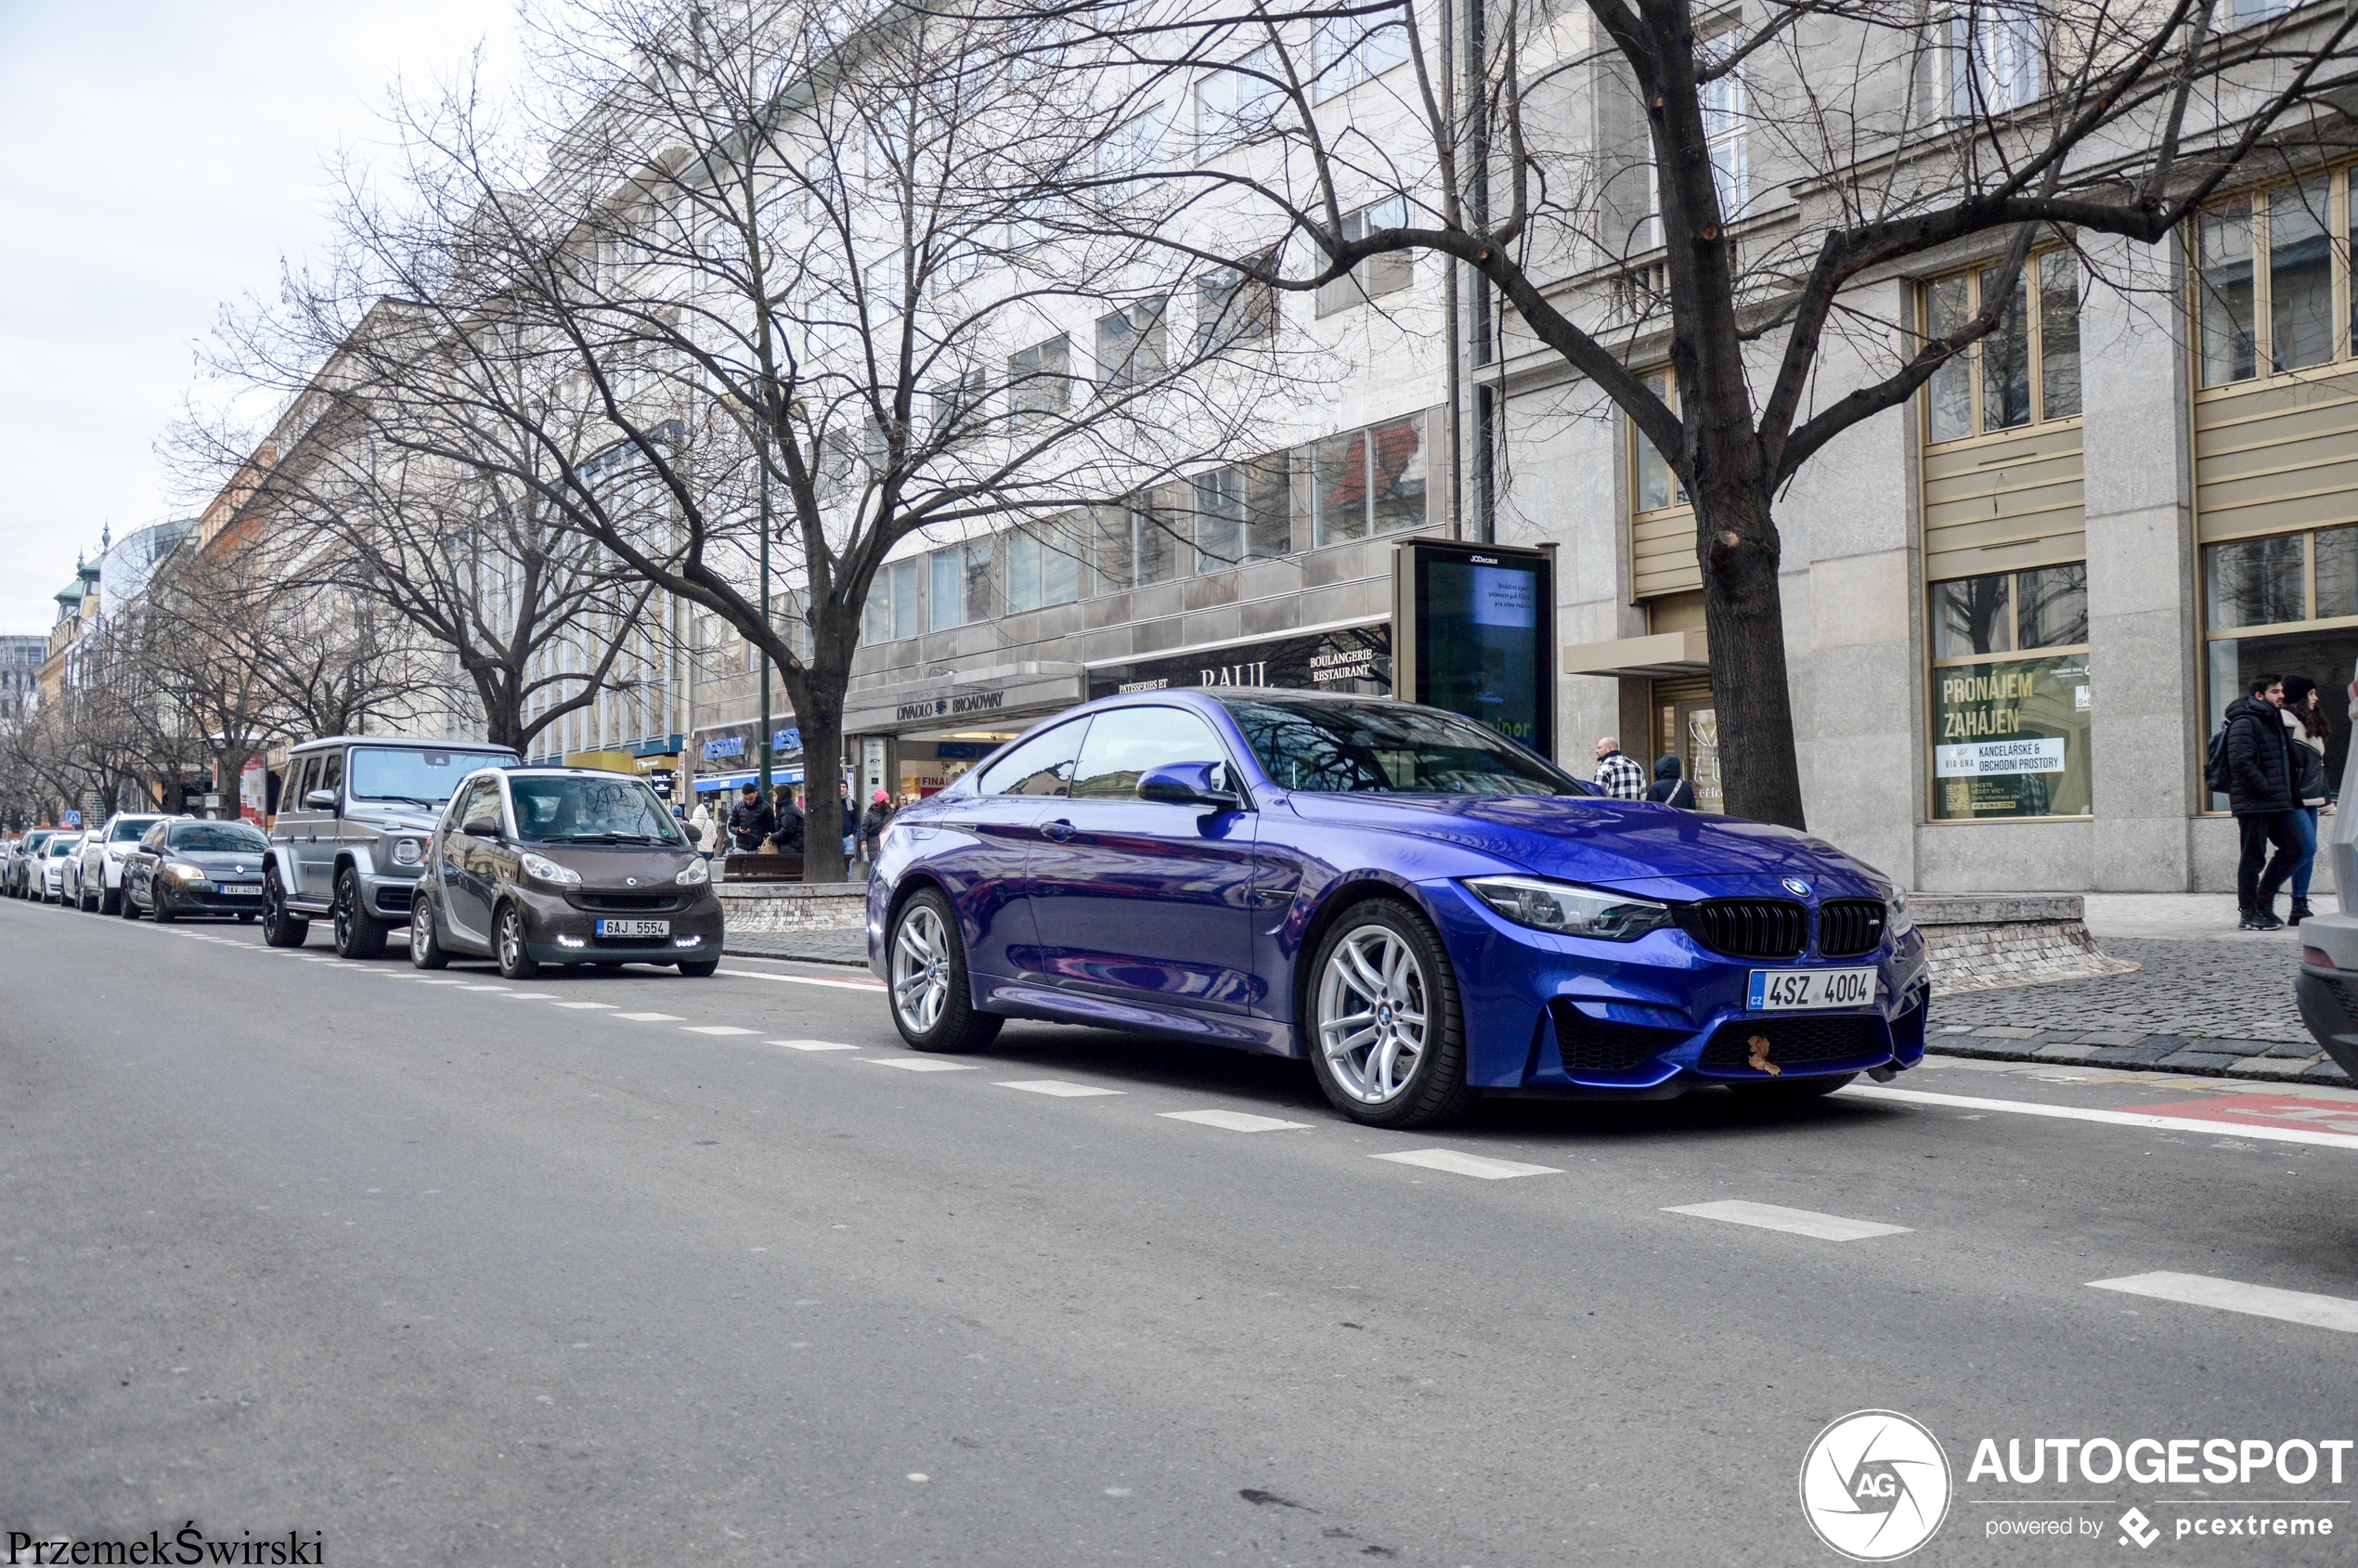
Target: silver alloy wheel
{"x":1371,"y":1014}
{"x":921,"y":969}
{"x":421,"y":921}
{"x":511,"y":938}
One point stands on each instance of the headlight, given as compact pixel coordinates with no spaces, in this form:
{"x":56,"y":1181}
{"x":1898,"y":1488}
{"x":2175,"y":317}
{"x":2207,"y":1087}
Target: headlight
{"x":1896,"y":921}
{"x":541,"y":868}
{"x":407,"y":852}
{"x":1575,"y":912}
{"x":185,"y":873}
{"x":696,"y":875}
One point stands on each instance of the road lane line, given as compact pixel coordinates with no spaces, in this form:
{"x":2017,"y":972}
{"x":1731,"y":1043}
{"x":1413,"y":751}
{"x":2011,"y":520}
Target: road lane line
{"x":718,"y":1029}
{"x":814,"y":1045}
{"x":442,"y":982}
{"x":919,"y":1064}
{"x":2113,"y":1118}
{"x":1234,"y":1121}
{"x":1056,"y":1087}
{"x":1797,"y":1222}
{"x":649,"y":1017}
{"x":531,"y":995}
{"x":487,"y":988}
{"x":2229,"y":1295}
{"x":606,"y":1006}
{"x":1461,"y":1164}
{"x":805,"y":980}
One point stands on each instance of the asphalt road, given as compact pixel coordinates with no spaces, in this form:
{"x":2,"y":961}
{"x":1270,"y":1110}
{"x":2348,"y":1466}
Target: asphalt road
{"x":537,"y":1274}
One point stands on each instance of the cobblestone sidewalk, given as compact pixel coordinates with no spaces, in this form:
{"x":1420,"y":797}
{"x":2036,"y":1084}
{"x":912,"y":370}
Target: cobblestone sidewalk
{"x":814,"y":947}
{"x":2221,"y":1008}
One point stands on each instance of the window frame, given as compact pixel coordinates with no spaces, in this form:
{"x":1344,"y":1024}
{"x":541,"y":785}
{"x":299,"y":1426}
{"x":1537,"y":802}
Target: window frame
{"x":2032,"y":282}
{"x":2341,"y":327}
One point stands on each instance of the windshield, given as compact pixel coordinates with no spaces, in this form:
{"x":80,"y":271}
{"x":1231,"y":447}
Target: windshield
{"x":1348,"y":748}
{"x":132,"y":829}
{"x":607,"y":810}
{"x":424,"y":777}
{"x":60,"y":848}
{"x":218,"y":836}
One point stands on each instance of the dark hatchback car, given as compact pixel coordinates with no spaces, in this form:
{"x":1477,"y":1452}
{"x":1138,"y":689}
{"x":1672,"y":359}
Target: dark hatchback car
{"x":563,"y":866}
{"x":187,"y":866}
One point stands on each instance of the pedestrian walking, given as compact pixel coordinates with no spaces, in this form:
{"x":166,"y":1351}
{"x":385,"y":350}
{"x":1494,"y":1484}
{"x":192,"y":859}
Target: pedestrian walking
{"x":2258,"y":765}
{"x":2310,"y":730}
{"x":703,"y":828}
{"x":752,"y":821}
{"x":788,"y":838}
{"x":1620,"y":776}
{"x":872,"y":825}
{"x":1670,"y":786}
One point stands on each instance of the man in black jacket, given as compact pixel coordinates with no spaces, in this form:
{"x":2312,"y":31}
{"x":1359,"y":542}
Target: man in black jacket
{"x":753,"y":820}
{"x":2259,"y":792}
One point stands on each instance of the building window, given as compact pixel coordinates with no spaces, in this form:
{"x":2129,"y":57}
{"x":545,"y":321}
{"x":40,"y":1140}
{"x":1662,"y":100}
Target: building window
{"x":1993,"y":59}
{"x":1366,"y":482}
{"x":2010,"y":734}
{"x":2282,"y":604}
{"x":891,"y":611}
{"x":1133,"y":147}
{"x":1139,"y":543}
{"x":1040,"y":382}
{"x":1133,"y":345}
{"x":2279,"y":317}
{"x":1656,"y":487}
{"x":2025,"y":370}
{"x":1722,"y":101}
{"x":1235,"y":106}
{"x":1376,"y":275}
{"x":1043,"y":566}
{"x":1347,"y":52}
{"x":1233,"y":309}
{"x":1243,"y":514}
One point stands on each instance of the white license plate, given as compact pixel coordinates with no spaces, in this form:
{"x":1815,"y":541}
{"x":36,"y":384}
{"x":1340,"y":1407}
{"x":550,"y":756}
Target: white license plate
{"x":241,"y":889}
{"x":634,"y":927}
{"x":1789,"y":990}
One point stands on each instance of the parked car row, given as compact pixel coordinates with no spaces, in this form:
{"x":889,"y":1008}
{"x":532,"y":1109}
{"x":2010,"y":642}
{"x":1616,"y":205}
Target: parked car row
{"x":459,"y":845}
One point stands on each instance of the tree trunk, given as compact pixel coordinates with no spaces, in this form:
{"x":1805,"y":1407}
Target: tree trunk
{"x":818,"y":713}
{"x":1744,"y":616}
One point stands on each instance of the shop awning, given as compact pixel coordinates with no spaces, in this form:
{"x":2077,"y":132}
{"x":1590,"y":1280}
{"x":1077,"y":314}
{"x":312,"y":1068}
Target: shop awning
{"x":1664,"y":654}
{"x":751,"y":776}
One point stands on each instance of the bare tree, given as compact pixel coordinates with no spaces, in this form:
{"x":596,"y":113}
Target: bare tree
{"x":823,"y":280}
{"x":1715,"y":186}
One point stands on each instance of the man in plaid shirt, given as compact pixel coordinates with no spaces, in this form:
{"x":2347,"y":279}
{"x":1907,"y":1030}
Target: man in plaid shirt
{"x":1617,"y":775}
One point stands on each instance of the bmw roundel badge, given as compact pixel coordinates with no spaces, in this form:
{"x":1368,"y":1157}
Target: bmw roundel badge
{"x":1796,"y":886}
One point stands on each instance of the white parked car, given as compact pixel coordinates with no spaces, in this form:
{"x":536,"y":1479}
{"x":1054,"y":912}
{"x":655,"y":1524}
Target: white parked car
{"x":62,"y":856}
{"x":97,"y":881}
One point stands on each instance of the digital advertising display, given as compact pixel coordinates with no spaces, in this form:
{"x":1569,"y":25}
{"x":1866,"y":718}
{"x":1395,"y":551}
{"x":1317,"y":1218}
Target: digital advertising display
{"x":1476,"y":630}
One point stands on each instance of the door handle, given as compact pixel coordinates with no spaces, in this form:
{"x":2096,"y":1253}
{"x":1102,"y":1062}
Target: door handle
{"x":1058,"y":830}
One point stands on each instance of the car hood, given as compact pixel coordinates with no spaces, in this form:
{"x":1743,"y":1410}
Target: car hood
{"x":1635,"y":847}
{"x":612,"y":868}
{"x":215,"y":861}
{"x":394,"y":818}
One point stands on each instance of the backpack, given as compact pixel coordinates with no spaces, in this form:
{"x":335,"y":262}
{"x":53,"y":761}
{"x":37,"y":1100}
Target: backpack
{"x":2214,"y":768}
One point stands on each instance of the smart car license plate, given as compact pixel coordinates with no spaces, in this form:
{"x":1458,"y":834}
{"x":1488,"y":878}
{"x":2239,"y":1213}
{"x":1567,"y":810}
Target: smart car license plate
{"x":1790,"y":990}
{"x":241,"y":889}
{"x":634,"y":927}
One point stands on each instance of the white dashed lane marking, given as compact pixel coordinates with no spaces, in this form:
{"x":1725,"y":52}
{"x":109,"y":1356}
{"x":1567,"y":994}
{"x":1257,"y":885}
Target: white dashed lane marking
{"x":1058,"y":1087}
{"x":919,"y":1064}
{"x":487,"y":988}
{"x":2086,"y":1113}
{"x":805,"y":980}
{"x":1796,"y":1221}
{"x":717,"y":1028}
{"x":1234,"y":1121}
{"x":446,"y":983}
{"x":603,"y":1005}
{"x":531,"y":995}
{"x":814,"y":1045}
{"x":1461,"y":1164}
{"x":650,"y":1017}
{"x":2229,"y":1295}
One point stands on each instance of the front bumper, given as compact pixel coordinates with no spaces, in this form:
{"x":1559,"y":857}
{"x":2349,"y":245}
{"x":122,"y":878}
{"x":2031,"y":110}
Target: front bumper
{"x":388,"y":893}
{"x":558,"y":930}
{"x":188,"y":900}
{"x":1547,"y":1013}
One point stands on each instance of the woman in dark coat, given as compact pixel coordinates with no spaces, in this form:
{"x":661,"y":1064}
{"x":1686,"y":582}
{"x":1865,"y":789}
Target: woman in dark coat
{"x":1670,"y":786}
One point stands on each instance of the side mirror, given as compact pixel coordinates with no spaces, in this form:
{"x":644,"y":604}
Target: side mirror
{"x":321,"y":800}
{"x":1189,"y":783}
{"x":482,"y":827}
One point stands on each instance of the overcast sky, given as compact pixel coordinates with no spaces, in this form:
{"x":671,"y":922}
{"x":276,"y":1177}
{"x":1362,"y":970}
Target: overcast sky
{"x":157,"y":159}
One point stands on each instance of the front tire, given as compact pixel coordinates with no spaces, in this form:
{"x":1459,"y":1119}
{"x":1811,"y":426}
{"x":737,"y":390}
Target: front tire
{"x":109,"y":902}
{"x":516,"y":962}
{"x":160,"y":899}
{"x":699,"y":968}
{"x":425,"y":943}
{"x":358,"y":933}
{"x":1382,"y":1026}
{"x":83,"y":903}
{"x":124,"y":904}
{"x":280,"y":926}
{"x":931,"y":993}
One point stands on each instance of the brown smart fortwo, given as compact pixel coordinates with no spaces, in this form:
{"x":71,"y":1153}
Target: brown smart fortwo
{"x":563,"y":866}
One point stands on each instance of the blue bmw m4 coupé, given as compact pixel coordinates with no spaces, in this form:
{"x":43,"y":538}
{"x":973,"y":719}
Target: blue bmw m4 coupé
{"x":1427,"y":911}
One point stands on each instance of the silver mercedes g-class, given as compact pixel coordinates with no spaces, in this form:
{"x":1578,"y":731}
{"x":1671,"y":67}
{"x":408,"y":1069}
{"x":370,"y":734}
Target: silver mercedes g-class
{"x":355,"y":814}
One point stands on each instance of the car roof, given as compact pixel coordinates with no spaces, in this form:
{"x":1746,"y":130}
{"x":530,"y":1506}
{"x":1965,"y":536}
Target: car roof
{"x":544,"y":770}
{"x":447,"y":743}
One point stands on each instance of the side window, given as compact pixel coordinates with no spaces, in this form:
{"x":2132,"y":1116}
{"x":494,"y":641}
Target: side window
{"x":1130,"y":741}
{"x":330,"y":769}
{"x":154,"y":839}
{"x":483,"y":800}
{"x":298,"y":785}
{"x":1041,"y":765}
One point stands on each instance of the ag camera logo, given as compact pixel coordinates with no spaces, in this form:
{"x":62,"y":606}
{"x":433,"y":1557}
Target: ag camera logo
{"x":1876,"y":1485}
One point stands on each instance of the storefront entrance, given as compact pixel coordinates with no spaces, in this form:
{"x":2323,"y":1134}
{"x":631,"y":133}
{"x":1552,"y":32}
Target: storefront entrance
{"x":1686,"y":725}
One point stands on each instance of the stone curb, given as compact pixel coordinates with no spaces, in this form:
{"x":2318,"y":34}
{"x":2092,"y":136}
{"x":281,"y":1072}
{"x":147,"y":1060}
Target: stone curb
{"x":2263,"y":1060}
